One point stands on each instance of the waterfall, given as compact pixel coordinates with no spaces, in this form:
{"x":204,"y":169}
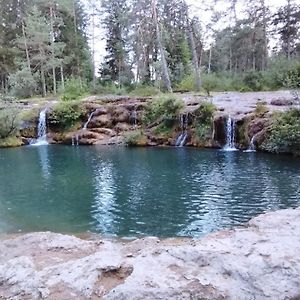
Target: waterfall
{"x":89,"y":119}
{"x":42,"y":129}
{"x":251,"y":147}
{"x":183,"y":135}
{"x":75,"y":140}
{"x":230,"y":135}
{"x":134,"y":117}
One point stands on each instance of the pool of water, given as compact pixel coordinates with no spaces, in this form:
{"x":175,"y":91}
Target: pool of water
{"x":140,"y":191}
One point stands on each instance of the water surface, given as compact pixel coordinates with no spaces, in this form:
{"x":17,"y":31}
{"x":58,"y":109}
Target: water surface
{"x":134,"y":192}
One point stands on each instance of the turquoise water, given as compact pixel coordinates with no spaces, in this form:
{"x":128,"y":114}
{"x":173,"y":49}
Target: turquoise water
{"x":134,"y":192}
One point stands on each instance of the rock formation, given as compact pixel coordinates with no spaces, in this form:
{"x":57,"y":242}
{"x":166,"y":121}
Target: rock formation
{"x":258,"y":261}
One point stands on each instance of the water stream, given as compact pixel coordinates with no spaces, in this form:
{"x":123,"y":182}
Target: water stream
{"x":42,"y":129}
{"x":181,"y":140}
{"x":230,"y":135}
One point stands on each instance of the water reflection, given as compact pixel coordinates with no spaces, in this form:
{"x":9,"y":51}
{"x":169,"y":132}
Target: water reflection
{"x":104,"y":202}
{"x":44,"y":160}
{"x":132,"y":192}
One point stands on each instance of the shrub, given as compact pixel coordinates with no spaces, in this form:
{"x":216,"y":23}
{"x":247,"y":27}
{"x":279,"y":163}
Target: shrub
{"x":135,"y":138}
{"x":66,"y":114}
{"x":260,"y":108}
{"x":203,"y":120}
{"x":285,"y":133}
{"x":187,"y":83}
{"x":205,"y":113}
{"x":73,"y":90}
{"x":253,"y":80}
{"x":9,"y":122}
{"x":145,"y":91}
{"x":164,"y":109}
{"x":210,"y":82}
{"x":22,"y":83}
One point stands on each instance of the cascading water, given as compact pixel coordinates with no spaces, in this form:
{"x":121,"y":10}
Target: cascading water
{"x":251,"y":147}
{"x":134,"y":117}
{"x":89,"y":119}
{"x":230,"y":135}
{"x":183,"y":135}
{"x":42,"y":129}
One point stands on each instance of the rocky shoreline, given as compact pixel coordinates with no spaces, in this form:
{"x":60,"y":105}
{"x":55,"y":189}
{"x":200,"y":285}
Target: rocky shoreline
{"x":258,"y":261}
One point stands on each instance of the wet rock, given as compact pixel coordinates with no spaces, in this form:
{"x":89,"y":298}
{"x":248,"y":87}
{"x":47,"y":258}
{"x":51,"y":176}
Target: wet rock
{"x":282,"y":102}
{"x":101,"y":121}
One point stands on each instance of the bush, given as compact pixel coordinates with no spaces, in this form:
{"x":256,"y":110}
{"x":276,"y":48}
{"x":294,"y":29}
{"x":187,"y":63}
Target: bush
{"x":292,"y":78}
{"x":204,"y":120}
{"x":22,"y":84}
{"x":187,"y":83}
{"x":135,"y":138}
{"x":73,"y":90}
{"x":253,"y":80}
{"x":9,"y":122}
{"x":210,"y":82}
{"x":205,"y":113}
{"x":66,"y":114}
{"x":145,"y":91}
{"x":164,"y":109}
{"x":260,"y":108}
{"x":285,"y":133}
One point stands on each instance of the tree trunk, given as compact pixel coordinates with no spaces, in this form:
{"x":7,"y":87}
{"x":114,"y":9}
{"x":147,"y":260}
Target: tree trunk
{"x":265,"y":41}
{"x":209,"y":61}
{"x":52,"y":49}
{"x":93,"y":45}
{"x":44,"y":89}
{"x":62,"y":77}
{"x":165,"y":71}
{"x":195,"y":59}
{"x":26,"y":47}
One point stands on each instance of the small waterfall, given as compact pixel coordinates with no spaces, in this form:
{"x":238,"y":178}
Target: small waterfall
{"x":134,"y":117}
{"x":183,"y":135}
{"x":89,"y":119}
{"x":230,"y":135}
{"x":251,"y":147}
{"x":75,"y":140}
{"x":42,"y":129}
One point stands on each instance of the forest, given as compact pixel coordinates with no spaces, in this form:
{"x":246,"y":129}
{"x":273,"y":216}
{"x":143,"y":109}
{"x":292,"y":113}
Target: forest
{"x":49,"y":47}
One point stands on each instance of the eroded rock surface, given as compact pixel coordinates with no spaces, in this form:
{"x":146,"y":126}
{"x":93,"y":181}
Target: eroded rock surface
{"x":258,"y":261}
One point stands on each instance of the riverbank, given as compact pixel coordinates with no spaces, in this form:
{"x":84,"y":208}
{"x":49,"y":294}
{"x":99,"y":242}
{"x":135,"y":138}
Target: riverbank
{"x":258,"y":261}
{"x":230,"y":119}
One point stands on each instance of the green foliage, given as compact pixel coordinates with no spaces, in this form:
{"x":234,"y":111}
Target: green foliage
{"x":260,"y":108}
{"x":9,"y":122}
{"x":164,"y":109}
{"x":22,"y":83}
{"x":145,"y":91}
{"x":292,"y":78}
{"x":74,"y":89}
{"x":203,"y":120}
{"x":135,"y":138}
{"x":210,"y":82}
{"x":253,"y":80}
{"x":109,"y":89}
{"x":205,"y":113}
{"x":187,"y":83}
{"x":163,"y":130}
{"x":66,"y":114}
{"x":285,"y":133}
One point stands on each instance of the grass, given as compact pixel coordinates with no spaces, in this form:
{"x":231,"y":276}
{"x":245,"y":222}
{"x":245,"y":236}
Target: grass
{"x":11,"y":141}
